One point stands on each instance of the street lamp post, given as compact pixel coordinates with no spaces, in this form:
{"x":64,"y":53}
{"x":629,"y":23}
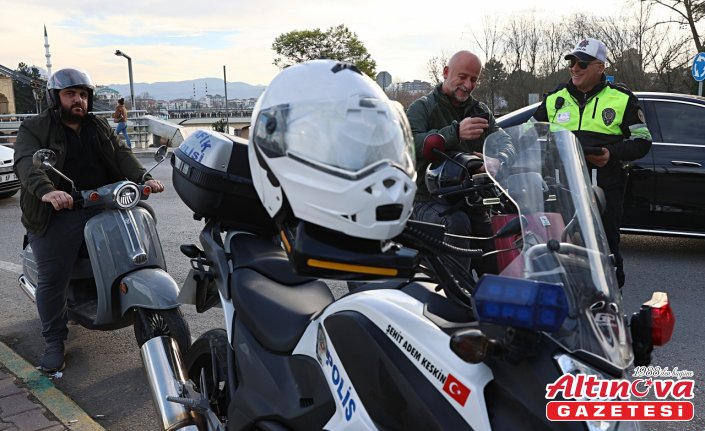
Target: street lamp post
{"x":129,"y":68}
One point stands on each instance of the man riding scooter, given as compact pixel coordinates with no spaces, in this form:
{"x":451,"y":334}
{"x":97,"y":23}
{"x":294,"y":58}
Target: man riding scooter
{"x":89,"y":152}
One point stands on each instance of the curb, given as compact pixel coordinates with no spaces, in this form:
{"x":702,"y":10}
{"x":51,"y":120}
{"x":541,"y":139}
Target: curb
{"x":61,"y":406}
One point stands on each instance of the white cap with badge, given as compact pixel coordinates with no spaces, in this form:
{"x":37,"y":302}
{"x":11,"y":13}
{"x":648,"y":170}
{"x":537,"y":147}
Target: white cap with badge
{"x":588,"y":50}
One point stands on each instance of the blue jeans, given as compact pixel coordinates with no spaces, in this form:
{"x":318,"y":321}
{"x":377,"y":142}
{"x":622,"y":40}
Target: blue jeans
{"x":122,"y":128}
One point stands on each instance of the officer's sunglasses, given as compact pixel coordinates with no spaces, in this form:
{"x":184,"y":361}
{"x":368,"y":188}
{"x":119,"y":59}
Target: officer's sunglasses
{"x":581,"y":64}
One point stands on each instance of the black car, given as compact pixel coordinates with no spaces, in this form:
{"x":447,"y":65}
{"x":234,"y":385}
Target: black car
{"x":665,"y":192}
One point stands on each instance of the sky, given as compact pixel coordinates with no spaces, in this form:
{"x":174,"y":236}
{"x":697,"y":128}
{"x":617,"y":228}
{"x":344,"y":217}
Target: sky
{"x":180,"y":40}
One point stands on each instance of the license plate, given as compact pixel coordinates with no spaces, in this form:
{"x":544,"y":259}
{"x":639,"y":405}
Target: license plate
{"x":7,"y":177}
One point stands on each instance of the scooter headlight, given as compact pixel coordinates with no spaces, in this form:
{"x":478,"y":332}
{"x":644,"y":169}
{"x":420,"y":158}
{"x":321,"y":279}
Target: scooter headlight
{"x":126,"y":195}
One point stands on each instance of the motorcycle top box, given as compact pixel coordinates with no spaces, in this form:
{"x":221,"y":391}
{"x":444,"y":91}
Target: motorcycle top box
{"x":212,"y":176}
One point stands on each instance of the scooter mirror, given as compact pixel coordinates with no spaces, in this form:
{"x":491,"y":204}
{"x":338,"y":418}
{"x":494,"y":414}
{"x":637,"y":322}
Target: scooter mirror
{"x":432,"y":143}
{"x":44,"y":159}
{"x":160,"y":155}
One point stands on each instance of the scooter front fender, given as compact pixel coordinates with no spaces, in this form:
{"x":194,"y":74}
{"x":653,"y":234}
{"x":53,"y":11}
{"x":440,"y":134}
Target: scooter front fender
{"x":151,"y":288}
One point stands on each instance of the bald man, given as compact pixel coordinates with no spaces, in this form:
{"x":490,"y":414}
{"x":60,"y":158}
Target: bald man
{"x":464,"y":122}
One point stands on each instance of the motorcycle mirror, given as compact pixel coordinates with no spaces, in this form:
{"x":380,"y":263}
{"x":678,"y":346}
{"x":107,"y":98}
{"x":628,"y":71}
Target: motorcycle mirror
{"x":433,"y":141}
{"x":44,"y":159}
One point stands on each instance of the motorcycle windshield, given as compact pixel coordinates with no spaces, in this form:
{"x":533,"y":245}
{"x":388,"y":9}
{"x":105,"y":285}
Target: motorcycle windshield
{"x":562,"y":239}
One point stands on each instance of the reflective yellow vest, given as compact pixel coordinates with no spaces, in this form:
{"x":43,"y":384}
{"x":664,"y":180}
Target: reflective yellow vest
{"x":603,"y":112}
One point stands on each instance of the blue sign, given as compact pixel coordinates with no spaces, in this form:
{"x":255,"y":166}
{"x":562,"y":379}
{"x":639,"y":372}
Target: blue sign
{"x":699,"y":67}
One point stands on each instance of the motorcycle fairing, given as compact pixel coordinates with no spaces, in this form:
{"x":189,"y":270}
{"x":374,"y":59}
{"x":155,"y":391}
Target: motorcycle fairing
{"x":432,"y":359}
{"x":284,"y":389}
{"x":396,"y":394}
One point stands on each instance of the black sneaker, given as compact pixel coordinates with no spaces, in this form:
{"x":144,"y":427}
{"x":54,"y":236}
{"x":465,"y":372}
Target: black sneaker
{"x":53,"y":359}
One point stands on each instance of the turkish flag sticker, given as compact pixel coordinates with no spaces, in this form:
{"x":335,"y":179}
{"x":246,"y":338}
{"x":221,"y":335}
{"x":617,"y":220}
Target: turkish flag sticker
{"x":458,"y":391}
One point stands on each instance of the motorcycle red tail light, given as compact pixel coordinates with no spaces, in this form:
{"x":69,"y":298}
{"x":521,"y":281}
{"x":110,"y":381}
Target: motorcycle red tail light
{"x":94,"y":197}
{"x":662,"y":323}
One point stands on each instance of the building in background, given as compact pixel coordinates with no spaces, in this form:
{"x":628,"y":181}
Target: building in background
{"x":7,"y":96}
{"x":107,"y":95}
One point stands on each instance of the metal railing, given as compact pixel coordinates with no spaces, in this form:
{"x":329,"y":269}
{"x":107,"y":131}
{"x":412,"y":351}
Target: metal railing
{"x":137,"y":127}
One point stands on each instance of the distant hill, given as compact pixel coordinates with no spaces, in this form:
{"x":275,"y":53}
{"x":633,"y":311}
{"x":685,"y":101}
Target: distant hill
{"x":185,"y":89}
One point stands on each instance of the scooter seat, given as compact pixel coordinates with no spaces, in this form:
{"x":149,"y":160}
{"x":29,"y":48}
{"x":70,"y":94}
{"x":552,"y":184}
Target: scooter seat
{"x":273,"y":302}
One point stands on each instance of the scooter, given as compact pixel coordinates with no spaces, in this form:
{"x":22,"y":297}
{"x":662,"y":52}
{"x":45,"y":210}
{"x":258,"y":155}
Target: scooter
{"x":429,"y":349}
{"x":120,"y":277}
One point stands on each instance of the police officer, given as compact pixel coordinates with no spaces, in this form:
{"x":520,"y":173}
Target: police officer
{"x":605,"y":116}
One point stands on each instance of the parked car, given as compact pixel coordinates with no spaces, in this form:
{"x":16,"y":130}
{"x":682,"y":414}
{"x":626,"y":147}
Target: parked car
{"x":9,"y":184}
{"x":665,"y":192}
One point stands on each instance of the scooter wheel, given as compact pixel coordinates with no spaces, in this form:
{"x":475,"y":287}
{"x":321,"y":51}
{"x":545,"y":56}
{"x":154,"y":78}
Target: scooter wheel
{"x":155,"y":323}
{"x":208,"y":350}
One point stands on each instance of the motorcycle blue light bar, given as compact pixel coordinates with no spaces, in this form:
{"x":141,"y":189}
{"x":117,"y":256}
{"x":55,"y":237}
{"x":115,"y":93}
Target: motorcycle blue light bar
{"x":520,"y":303}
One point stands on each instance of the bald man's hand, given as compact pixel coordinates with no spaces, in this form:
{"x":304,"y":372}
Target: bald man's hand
{"x":472,"y":128}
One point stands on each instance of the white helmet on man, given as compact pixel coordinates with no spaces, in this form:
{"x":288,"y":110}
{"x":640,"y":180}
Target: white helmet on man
{"x":326,"y":139}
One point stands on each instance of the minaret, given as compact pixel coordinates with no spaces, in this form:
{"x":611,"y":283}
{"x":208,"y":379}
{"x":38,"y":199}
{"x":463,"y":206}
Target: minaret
{"x":46,"y":48}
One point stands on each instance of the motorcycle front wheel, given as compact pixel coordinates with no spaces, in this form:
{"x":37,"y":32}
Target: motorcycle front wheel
{"x":209,"y":356}
{"x":155,"y":323}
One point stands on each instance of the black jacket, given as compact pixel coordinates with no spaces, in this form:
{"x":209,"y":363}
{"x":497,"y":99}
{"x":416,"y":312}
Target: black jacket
{"x":434,"y":113}
{"x":46,"y":131}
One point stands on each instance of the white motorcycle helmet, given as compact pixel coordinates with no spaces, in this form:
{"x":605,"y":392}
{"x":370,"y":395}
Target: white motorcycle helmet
{"x":326,"y":139}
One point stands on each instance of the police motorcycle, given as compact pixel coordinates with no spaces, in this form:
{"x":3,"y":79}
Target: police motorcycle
{"x":120,"y":278}
{"x":432,"y":351}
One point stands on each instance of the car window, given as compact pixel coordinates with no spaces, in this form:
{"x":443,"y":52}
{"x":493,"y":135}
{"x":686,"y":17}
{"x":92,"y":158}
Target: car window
{"x":681,"y":123}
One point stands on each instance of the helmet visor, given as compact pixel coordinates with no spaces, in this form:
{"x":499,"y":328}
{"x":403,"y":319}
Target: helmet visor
{"x":349,"y":138}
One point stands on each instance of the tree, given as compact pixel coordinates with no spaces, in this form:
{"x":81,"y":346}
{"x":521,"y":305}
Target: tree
{"x":491,"y":81}
{"x":25,"y":102}
{"x":336,"y":43}
{"x":220,"y":125}
{"x":688,"y":14}
{"x":435,"y":66}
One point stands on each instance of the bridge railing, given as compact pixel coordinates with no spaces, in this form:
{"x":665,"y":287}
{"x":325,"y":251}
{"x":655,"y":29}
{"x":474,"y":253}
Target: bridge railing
{"x":137,"y":127}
